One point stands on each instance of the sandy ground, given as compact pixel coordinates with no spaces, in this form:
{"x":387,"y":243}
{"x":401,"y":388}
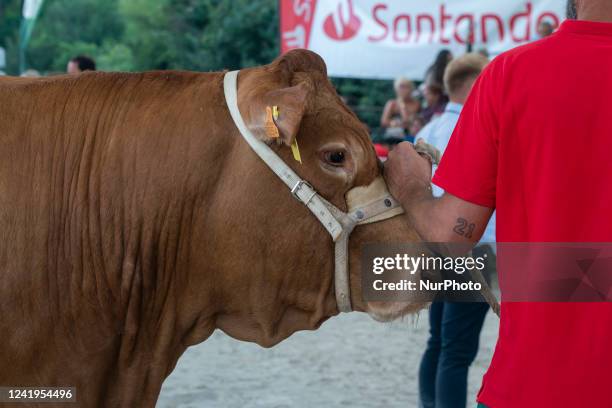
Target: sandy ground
{"x":351,"y":361}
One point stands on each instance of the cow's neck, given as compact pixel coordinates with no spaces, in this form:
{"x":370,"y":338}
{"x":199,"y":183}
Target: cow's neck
{"x":271,"y":259}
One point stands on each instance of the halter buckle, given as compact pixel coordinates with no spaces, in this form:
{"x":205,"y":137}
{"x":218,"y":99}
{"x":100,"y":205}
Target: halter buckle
{"x":298,"y":186}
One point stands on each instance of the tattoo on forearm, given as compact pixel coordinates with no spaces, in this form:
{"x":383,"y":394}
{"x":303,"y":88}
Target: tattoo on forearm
{"x":464,"y":228}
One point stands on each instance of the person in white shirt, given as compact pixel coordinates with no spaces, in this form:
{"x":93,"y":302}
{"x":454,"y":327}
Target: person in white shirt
{"x":458,"y":80}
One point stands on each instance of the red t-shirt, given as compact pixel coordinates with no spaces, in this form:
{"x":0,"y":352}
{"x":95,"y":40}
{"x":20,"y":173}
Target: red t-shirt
{"x":534,"y":141}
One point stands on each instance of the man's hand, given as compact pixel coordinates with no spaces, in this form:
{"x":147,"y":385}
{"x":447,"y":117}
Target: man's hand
{"x":447,"y":219}
{"x":408,"y":174}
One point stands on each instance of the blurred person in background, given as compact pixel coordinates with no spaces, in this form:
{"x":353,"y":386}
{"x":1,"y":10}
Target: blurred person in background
{"x":382,"y":151}
{"x":454,"y":326}
{"x":545,"y":28}
{"x":31,"y":73}
{"x":435,"y":73}
{"x":433,"y":86}
{"x":80,"y":64}
{"x":484,"y":52}
{"x":416,"y":124}
{"x":458,"y":81}
{"x":435,"y":101}
{"x":398,"y":111}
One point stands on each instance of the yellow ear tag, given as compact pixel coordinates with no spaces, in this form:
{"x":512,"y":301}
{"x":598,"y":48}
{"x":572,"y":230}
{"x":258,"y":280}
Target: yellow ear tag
{"x":275,"y":112}
{"x":269,"y":126}
{"x":296,"y":151}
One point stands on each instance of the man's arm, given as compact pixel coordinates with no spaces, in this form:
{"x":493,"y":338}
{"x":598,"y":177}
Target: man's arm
{"x":447,"y":219}
{"x":385,"y":120}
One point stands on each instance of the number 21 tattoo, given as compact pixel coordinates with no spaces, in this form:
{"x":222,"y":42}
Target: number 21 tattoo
{"x":464,"y":228}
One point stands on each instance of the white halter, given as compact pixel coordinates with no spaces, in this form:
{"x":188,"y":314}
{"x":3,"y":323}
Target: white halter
{"x":366,"y":205}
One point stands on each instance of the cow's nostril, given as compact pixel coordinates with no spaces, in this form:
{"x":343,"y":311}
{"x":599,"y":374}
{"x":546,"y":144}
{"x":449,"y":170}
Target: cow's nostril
{"x":387,"y":202}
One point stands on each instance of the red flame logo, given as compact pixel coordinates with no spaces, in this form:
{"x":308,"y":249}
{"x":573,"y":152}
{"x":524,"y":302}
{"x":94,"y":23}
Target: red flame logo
{"x":343,"y":24}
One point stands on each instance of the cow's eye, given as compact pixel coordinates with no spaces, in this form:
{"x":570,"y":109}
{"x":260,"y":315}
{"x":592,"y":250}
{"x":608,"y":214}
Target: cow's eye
{"x":335,"y":158}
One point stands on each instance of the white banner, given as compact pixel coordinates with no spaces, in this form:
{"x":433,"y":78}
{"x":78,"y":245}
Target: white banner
{"x":388,"y":38}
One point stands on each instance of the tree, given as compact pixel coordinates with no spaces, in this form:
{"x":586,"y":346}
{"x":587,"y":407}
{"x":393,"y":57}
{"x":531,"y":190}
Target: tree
{"x":201,"y":35}
{"x":10,"y":19}
{"x":67,"y":28}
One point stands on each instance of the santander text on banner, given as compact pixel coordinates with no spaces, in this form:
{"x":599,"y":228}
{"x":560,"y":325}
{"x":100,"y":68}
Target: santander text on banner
{"x":388,"y":38}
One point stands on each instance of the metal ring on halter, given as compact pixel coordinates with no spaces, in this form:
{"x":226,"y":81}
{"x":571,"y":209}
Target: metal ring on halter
{"x":298,"y":186}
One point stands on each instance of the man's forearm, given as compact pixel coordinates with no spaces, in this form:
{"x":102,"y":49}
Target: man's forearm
{"x":445,"y":219}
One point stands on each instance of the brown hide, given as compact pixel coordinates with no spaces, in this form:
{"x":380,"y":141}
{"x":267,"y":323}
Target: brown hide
{"x":134,"y":221}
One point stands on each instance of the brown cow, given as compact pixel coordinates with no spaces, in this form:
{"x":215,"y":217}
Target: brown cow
{"x":135,"y":220}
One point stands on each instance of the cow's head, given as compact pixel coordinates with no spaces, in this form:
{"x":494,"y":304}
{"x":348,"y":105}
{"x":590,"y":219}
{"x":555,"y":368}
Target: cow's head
{"x":282,"y":259}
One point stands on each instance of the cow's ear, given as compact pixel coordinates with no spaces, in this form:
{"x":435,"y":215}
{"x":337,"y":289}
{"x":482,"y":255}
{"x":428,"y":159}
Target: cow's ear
{"x":279,"y":117}
{"x":294,"y":75}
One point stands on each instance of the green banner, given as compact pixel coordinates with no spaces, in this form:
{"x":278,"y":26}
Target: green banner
{"x":31,"y":8}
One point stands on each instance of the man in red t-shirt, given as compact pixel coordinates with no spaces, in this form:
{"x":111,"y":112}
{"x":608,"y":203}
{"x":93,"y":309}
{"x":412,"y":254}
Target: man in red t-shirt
{"x":534,"y":142}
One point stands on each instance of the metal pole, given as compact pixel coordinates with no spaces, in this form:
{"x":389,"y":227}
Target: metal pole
{"x":22,"y":28}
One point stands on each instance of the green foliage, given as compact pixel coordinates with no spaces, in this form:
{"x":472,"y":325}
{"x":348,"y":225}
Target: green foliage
{"x":201,"y":35}
{"x":115,"y":57}
{"x":149,"y":34}
{"x":138,"y":35}
{"x":67,"y":28}
{"x":239,"y":33}
{"x":366,"y":97}
{"x":10,"y":19}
